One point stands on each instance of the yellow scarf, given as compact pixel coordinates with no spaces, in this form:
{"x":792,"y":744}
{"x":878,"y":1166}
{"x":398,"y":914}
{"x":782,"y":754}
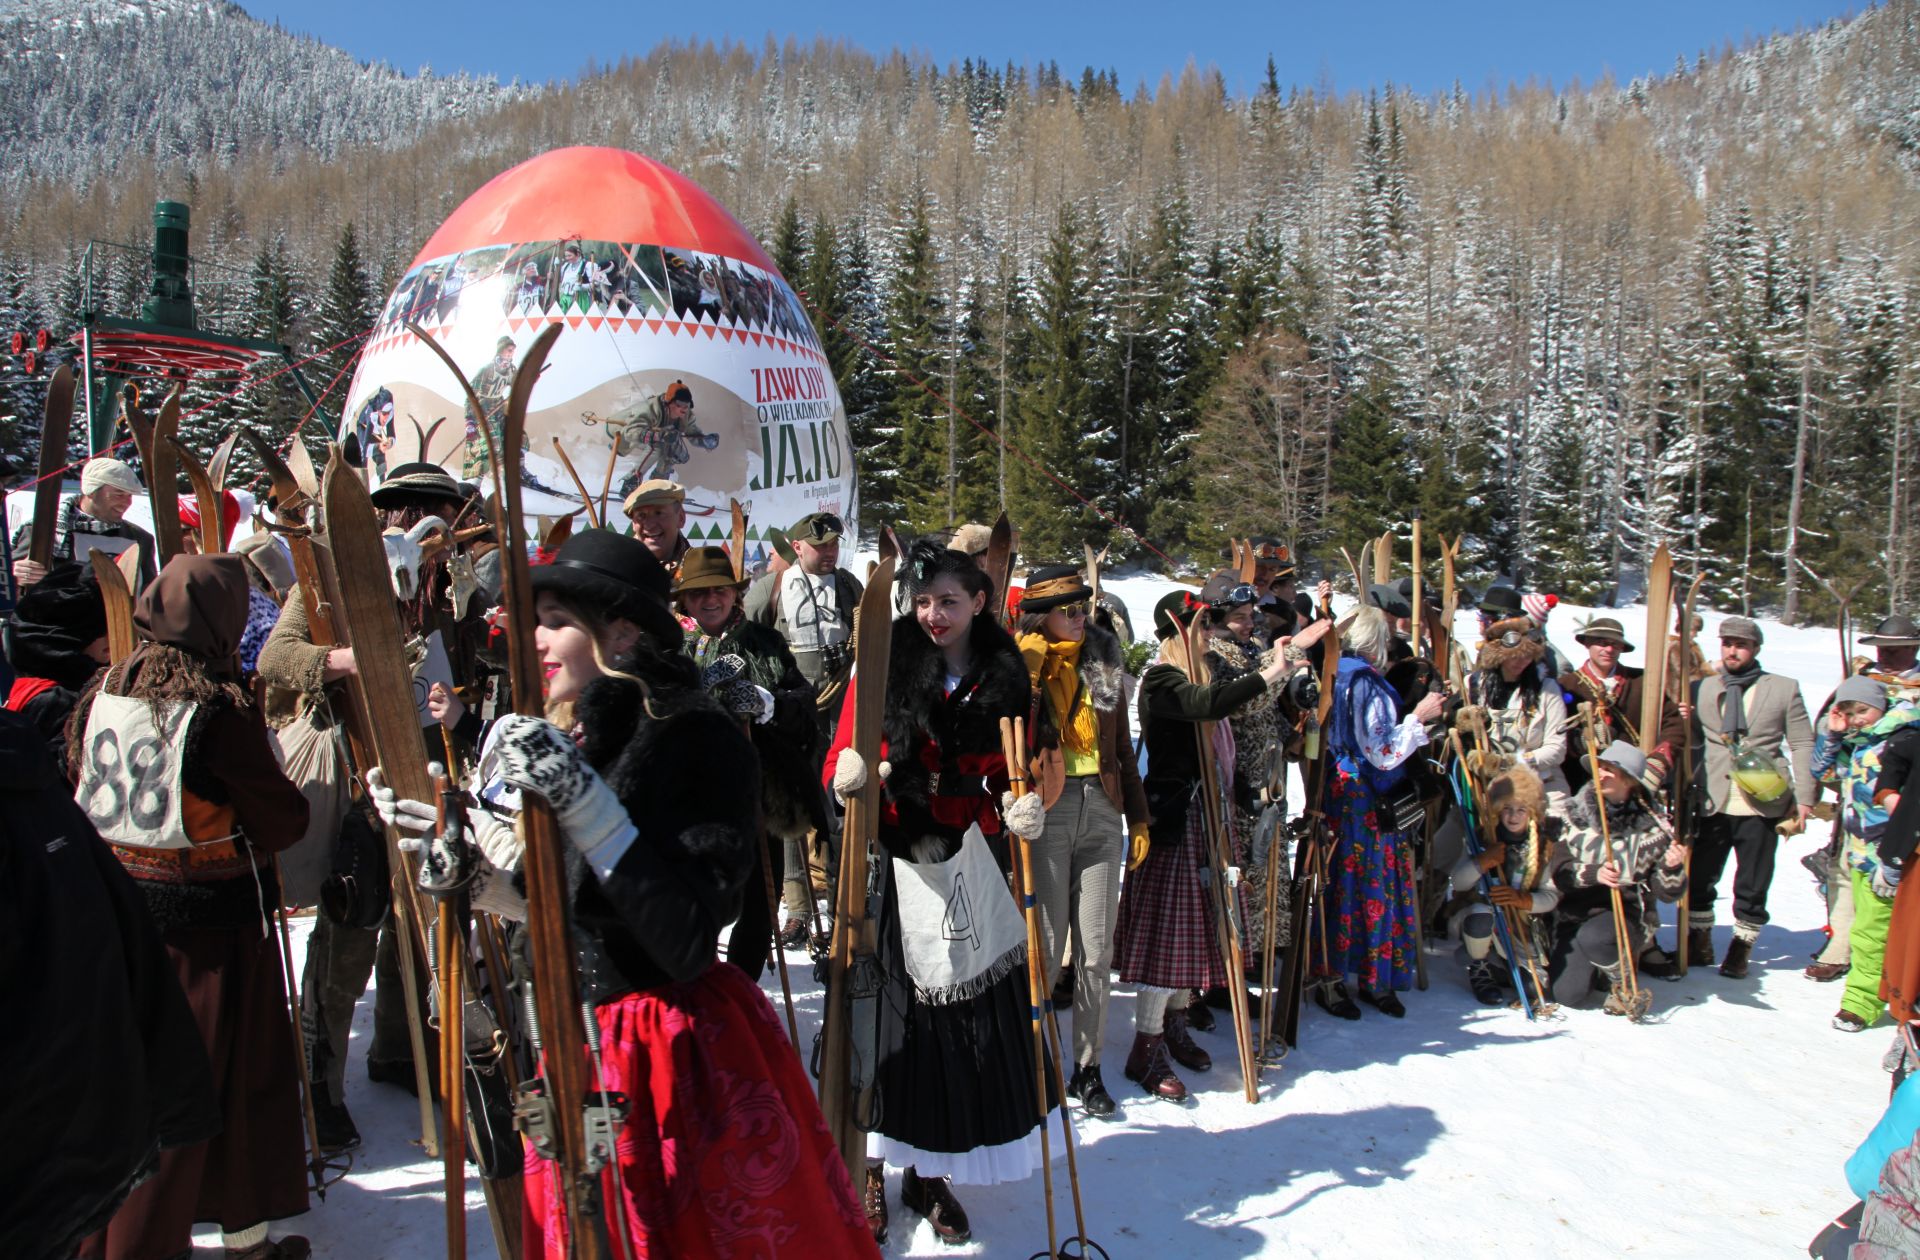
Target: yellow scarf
{"x":1055,"y":669}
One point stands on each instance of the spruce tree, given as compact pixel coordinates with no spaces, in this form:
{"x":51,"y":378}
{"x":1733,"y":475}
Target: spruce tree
{"x":1058,"y":426}
{"x":914,"y":369}
{"x":790,"y":242}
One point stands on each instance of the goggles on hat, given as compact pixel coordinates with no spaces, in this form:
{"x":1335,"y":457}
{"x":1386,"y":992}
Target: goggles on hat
{"x":1241,"y":594}
{"x":821,"y":523}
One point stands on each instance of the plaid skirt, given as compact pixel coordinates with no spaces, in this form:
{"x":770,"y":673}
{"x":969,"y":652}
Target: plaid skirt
{"x":1165,"y":938}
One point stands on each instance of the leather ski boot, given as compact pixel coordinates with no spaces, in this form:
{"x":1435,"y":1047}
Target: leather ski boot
{"x":1658,"y":964}
{"x":1090,"y":1091}
{"x":1331,"y":994}
{"x":1699,"y":947}
{"x":1387,"y":1003}
{"x":932,"y":1197}
{"x":1147,"y":1067}
{"x":873,"y":1201}
{"x":1739,"y":952}
{"x":1480,"y":978}
{"x":332,"y":1124}
{"x":1199,"y":1014}
{"x":1181,"y":1045}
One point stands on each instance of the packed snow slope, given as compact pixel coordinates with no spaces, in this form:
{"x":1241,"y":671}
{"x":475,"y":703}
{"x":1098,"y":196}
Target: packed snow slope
{"x":1716,"y":1129}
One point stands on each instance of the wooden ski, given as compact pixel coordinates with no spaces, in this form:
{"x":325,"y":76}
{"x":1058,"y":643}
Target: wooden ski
{"x":586,"y":499}
{"x":556,"y":986}
{"x":222,"y":456}
{"x":55,"y":428}
{"x":737,"y":537}
{"x":1223,"y":882}
{"x":1383,"y":557}
{"x":382,"y":687}
{"x":1310,"y":861}
{"x":1418,"y":600}
{"x":1653,"y":682}
{"x":163,"y":485}
{"x":1443,"y":652}
{"x":1680,"y":684}
{"x":204,"y":495}
{"x":1000,"y":558}
{"x":852,"y":972}
{"x":1244,"y":563}
{"x":116,"y":593}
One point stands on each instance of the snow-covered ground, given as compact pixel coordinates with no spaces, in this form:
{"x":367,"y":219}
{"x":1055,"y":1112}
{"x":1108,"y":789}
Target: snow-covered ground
{"x":1716,"y":1129}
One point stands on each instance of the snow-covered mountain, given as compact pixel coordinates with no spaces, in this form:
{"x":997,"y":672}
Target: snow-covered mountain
{"x":86,"y":84}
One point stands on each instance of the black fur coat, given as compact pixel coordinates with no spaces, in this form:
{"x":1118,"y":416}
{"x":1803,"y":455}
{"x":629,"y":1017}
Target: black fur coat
{"x":947,"y":769}
{"x":683,"y":768}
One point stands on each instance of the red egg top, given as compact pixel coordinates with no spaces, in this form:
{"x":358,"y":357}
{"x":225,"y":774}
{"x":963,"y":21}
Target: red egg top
{"x":594,"y":194}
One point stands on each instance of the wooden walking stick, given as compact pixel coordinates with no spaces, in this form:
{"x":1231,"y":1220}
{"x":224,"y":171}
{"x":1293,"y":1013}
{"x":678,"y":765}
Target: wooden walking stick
{"x":453,"y":1102}
{"x":1012,"y":749}
{"x":1681,"y":681}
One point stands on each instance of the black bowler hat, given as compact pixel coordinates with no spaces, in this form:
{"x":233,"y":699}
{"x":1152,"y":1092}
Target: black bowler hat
{"x":616,"y":573}
{"x":1501,"y":601}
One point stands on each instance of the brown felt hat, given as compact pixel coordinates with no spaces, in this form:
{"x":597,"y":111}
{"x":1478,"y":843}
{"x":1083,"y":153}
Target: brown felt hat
{"x":704,"y":568}
{"x":1604,"y":630}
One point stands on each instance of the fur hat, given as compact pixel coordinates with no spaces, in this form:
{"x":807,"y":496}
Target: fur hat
{"x":1509,"y":639}
{"x":1517,"y":785}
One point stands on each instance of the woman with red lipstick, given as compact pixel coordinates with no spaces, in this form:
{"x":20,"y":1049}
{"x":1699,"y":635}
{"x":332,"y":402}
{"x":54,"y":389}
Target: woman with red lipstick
{"x":954,"y":1076}
{"x":723,"y":1145}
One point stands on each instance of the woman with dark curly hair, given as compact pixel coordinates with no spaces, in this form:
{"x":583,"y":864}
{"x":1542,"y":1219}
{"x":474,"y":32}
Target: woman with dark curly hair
{"x":954,"y":1076}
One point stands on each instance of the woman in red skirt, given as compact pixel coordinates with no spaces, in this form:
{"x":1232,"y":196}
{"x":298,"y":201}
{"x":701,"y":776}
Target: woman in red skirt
{"x":724,"y":1152}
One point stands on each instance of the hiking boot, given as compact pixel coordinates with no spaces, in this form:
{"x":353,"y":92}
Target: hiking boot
{"x":1847,"y":1021}
{"x":1147,"y":1067}
{"x":1825,"y":972}
{"x":794,"y":935}
{"x":1090,"y":1091}
{"x":873,"y":1201}
{"x":1181,"y":1046}
{"x":1332,"y":996}
{"x":292,"y":1247}
{"x":1734,"y":966}
{"x":1199,"y":1014}
{"x":1658,"y":964}
{"x":1485,"y":986}
{"x":932,"y":1197}
{"x":1700,"y":947}
{"x":1387,"y":1003}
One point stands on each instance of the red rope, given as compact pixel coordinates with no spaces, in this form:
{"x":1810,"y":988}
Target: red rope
{"x":1004,"y":443}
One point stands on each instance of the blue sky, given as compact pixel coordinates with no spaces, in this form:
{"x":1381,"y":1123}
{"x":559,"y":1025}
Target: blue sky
{"x":1422,"y":45}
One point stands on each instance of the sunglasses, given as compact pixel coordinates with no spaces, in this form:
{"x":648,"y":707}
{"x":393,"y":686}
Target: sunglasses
{"x":1071,"y":610}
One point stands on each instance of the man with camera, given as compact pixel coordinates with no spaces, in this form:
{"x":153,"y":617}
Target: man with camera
{"x":811,"y":603}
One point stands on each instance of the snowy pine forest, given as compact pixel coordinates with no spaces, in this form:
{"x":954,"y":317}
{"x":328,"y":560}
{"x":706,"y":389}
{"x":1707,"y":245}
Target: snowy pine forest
{"x":1569,"y":322}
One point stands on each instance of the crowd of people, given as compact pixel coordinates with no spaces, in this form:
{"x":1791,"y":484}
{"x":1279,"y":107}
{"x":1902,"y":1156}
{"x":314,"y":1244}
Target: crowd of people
{"x":697,"y":752}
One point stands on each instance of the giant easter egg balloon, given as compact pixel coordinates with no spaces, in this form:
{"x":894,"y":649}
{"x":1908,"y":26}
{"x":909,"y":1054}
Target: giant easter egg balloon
{"x":685,"y":354}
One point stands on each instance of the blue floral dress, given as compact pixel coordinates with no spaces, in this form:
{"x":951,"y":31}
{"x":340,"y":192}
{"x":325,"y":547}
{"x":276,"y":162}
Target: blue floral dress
{"x":1369,"y":903}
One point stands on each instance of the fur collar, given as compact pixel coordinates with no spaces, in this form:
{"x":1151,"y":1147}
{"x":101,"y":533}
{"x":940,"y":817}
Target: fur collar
{"x":925,"y":728}
{"x":1101,"y":665}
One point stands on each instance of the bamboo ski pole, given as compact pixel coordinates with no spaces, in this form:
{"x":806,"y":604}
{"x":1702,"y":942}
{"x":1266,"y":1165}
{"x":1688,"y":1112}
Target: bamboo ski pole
{"x":1011,"y":747}
{"x":1270,"y":928}
{"x":316,"y":1163}
{"x":779,"y":954}
{"x":1629,"y":982}
{"x":453,"y":1103}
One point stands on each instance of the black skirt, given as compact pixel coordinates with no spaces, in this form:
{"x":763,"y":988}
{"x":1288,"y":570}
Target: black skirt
{"x":954,"y":1087}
